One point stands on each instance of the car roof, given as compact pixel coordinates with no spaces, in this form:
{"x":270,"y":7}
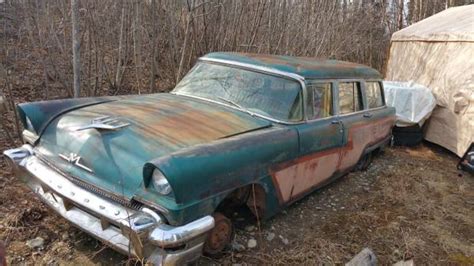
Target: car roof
{"x":307,"y":67}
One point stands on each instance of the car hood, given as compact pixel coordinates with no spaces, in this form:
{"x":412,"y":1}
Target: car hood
{"x":157,"y":125}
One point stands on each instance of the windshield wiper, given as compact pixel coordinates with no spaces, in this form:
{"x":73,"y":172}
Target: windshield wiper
{"x":235,"y":105}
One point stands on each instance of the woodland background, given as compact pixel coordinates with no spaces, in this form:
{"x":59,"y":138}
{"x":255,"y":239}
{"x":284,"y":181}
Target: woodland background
{"x":411,"y":203}
{"x":134,"y":46}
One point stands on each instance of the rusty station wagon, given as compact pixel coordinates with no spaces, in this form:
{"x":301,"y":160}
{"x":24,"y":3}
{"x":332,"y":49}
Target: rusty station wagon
{"x":154,"y":176}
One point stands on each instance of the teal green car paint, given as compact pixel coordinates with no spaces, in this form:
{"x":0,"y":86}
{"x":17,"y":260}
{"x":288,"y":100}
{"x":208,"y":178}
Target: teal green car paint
{"x":40,"y":114}
{"x":221,"y":166}
{"x":206,"y":149}
{"x":310,"y":68}
{"x":117,"y":157}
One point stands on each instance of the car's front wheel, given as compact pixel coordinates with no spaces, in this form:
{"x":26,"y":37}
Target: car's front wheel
{"x":220,"y":236}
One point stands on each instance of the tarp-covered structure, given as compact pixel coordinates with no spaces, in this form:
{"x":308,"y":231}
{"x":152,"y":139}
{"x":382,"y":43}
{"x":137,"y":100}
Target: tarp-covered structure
{"x":413,"y":102}
{"x":438,"y":52}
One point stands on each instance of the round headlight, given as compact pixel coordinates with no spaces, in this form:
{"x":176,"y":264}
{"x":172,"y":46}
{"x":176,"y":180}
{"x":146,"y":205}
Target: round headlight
{"x":160,"y":183}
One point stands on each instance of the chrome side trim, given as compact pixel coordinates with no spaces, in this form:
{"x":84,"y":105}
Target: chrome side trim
{"x":362,"y":111}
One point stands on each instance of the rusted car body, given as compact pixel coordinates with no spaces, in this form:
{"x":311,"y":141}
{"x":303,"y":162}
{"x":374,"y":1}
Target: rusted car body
{"x":154,"y":175}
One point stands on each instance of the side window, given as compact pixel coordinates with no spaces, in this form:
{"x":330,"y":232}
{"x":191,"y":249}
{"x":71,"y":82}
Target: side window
{"x":319,"y":100}
{"x":374,"y":94}
{"x":296,"y":111}
{"x":349,"y":97}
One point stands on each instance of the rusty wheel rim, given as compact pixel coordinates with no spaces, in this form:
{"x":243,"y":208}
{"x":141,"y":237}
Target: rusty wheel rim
{"x":220,"y":235}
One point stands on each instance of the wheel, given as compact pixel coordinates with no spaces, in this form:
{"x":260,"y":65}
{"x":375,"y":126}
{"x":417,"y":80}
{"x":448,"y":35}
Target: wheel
{"x":219,"y":236}
{"x":364,"y":162}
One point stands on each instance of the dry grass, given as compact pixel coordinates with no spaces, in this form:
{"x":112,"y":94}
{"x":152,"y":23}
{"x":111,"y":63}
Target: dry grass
{"x":418,"y":208}
{"x":410,"y":204}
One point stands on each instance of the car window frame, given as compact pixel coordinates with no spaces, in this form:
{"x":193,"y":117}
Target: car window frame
{"x":309,"y":82}
{"x":362,"y":93}
{"x":380,"y":82}
{"x":264,"y":70}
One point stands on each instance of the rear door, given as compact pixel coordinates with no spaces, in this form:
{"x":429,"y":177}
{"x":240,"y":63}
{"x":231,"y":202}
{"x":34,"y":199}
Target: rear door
{"x":362,"y":112}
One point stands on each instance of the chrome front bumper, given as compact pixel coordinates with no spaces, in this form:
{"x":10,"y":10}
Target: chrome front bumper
{"x":138,"y":233}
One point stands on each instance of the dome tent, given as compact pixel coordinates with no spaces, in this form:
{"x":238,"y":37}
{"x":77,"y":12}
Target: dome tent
{"x":438,"y":52}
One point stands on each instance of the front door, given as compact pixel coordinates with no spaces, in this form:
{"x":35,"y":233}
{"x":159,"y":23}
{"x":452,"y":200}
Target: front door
{"x":320,"y":142}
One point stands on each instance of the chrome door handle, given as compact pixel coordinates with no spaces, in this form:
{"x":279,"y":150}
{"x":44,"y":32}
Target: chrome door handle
{"x":367,"y":115}
{"x":335,"y":122}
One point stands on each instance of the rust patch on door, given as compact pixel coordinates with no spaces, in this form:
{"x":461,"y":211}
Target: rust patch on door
{"x":297,"y":177}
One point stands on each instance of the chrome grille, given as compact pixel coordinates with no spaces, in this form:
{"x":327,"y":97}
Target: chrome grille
{"x":133,"y":204}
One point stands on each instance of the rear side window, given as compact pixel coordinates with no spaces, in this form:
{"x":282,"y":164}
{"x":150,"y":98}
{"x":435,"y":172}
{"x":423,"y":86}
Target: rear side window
{"x":349,"y":97}
{"x":374,"y":94}
{"x":319,"y":100}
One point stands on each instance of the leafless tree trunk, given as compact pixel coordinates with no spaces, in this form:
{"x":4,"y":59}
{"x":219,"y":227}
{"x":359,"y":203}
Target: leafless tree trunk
{"x":120,"y":60}
{"x":400,"y":13}
{"x":153,"y":44}
{"x":76,"y":53}
{"x":185,"y":42}
{"x":138,"y":45}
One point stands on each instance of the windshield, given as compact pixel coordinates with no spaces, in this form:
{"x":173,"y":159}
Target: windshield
{"x":253,"y":92}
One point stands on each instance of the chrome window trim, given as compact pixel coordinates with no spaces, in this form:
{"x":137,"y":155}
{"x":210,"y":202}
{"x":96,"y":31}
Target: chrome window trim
{"x":260,"y":69}
{"x":263,"y":69}
{"x":362,"y":111}
{"x":353,"y":113}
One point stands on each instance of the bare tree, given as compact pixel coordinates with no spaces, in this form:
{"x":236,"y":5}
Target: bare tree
{"x":137,"y":45}
{"x":153,"y":44}
{"x":76,"y":53}
{"x":147,"y":46}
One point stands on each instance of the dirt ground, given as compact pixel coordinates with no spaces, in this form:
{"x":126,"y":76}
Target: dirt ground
{"x":411,"y":203}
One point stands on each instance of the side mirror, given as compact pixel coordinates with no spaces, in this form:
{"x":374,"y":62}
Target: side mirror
{"x":3,"y":105}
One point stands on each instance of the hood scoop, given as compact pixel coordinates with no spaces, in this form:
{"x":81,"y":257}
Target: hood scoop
{"x":104,"y":123}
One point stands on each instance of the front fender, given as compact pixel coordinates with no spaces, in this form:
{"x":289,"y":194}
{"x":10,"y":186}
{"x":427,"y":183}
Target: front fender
{"x":206,"y":173}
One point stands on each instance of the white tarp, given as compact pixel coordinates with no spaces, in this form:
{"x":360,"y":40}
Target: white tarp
{"x":413,"y":102}
{"x":453,"y":24}
{"x":438,"y":52}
